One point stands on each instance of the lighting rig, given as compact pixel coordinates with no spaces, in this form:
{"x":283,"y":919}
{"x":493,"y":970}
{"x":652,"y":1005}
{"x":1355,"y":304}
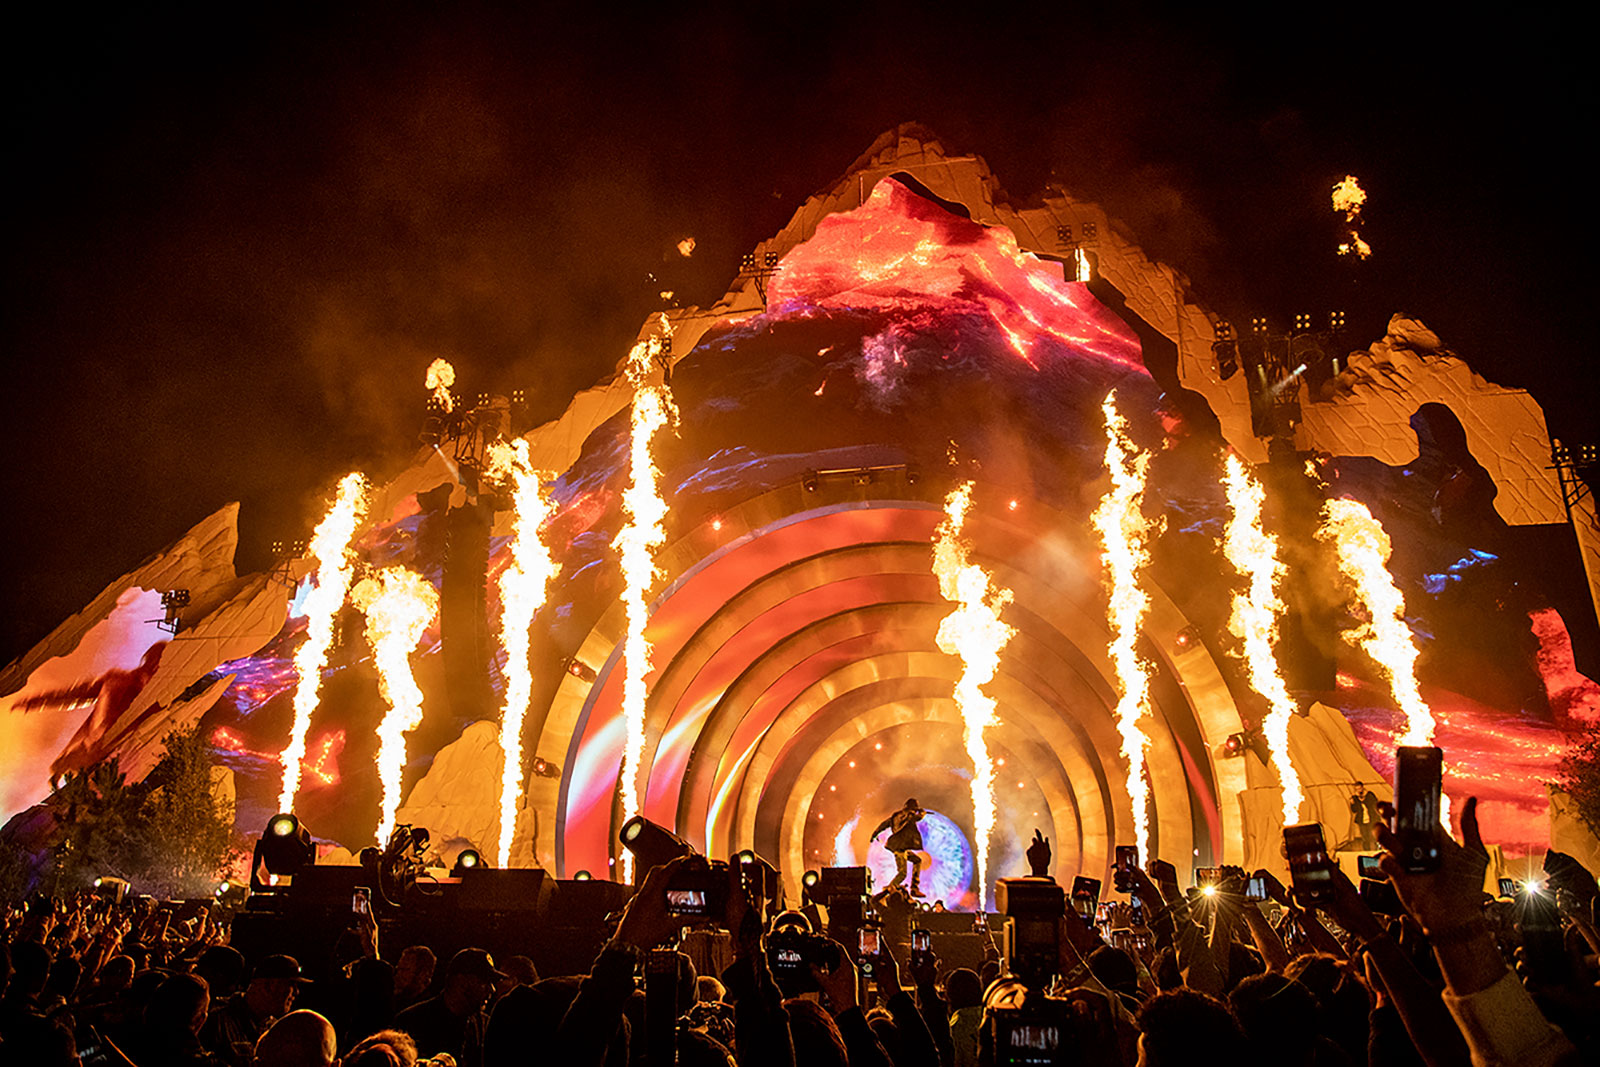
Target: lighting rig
{"x":1276,"y":361}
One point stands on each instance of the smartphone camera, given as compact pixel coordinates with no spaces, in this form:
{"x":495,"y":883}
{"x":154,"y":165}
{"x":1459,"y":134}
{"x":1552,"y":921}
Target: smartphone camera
{"x":1418,"y":782}
{"x":1310,"y":867}
{"x":867,"y":951}
{"x":1127,"y":862}
{"x":921,"y":948}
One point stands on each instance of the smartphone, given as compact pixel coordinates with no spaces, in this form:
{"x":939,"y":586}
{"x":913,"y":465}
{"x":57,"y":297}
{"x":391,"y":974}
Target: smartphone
{"x":1544,"y":953}
{"x":1122,"y":939}
{"x":1508,"y":888}
{"x":1255,"y":889}
{"x":1310,"y":866}
{"x":1367,"y":867}
{"x":361,"y":901}
{"x":1086,"y":898}
{"x":1418,"y":780}
{"x":1207,"y":877}
{"x":867,"y":951}
{"x":1136,"y":911}
{"x":921,"y":947}
{"x":1127,"y":862}
{"x":1381,"y":897}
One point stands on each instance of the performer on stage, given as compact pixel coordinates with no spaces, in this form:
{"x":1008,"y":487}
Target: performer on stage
{"x":905,"y":841}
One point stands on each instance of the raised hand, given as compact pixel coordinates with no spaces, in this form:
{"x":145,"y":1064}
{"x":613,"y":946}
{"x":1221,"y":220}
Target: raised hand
{"x":1039,"y":855}
{"x":1450,"y":896}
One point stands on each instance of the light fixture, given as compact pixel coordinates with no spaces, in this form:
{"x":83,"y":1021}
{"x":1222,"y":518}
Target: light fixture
{"x":467,"y":860}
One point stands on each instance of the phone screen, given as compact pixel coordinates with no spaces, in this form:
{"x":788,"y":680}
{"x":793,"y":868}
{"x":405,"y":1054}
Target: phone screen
{"x":1508,"y":887}
{"x":1255,"y":889}
{"x":687,"y":902}
{"x":921,"y":940}
{"x":1418,"y":776}
{"x":1368,"y":867}
{"x":1086,"y":897}
{"x":1310,"y":867}
{"x":1127,"y":861}
{"x":361,"y":901}
{"x":869,"y":941}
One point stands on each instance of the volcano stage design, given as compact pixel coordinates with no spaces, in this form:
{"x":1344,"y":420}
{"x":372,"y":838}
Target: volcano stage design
{"x":910,"y":331}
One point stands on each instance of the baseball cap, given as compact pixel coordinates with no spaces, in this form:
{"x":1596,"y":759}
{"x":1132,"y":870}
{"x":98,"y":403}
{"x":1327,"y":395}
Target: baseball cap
{"x":475,"y":963}
{"x":278,"y":967}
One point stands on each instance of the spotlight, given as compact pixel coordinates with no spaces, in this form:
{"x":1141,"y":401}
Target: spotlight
{"x":651,"y":845}
{"x":1208,"y":890}
{"x":286,"y":845}
{"x":466,"y":861}
{"x":1188,"y":637}
{"x":810,"y":879}
{"x":809,"y":481}
{"x":583,"y":876}
{"x":1236,"y":745}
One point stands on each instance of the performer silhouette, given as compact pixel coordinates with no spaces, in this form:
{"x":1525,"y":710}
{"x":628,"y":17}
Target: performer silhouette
{"x":905,"y":841}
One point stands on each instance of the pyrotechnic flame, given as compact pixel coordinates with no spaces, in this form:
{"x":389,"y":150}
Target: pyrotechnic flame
{"x":330,"y":547}
{"x":1350,"y":198}
{"x":636,"y":543}
{"x":686,"y":247}
{"x":1363,"y":549}
{"x":441,"y":376}
{"x":1082,"y":263}
{"x":399,"y":605}
{"x":1124,"y":536}
{"x":974,"y":633}
{"x":523,"y":587}
{"x":1254,"y":554}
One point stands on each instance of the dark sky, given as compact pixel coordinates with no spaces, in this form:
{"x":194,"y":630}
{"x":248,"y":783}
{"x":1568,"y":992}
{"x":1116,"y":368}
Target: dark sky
{"x":232,"y":247}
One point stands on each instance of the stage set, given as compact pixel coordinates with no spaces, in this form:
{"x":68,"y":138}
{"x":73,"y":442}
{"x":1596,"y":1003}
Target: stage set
{"x":950,"y":497}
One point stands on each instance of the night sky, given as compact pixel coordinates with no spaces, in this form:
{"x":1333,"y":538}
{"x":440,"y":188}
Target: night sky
{"x":233,"y":247}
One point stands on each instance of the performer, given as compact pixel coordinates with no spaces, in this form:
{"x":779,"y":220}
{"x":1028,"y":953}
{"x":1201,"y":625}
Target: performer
{"x":905,"y":841}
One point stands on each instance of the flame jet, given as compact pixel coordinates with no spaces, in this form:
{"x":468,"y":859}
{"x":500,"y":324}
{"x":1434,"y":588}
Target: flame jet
{"x":441,"y":376}
{"x":523,"y":587}
{"x":1124,"y":538}
{"x":1349,"y":198}
{"x":1363,"y":549}
{"x":399,"y":604}
{"x":330,"y":547}
{"x":636,"y":543}
{"x":1254,"y":554}
{"x":974,"y":633}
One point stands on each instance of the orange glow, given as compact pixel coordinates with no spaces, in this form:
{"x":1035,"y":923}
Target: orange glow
{"x":1256,"y":610}
{"x":330,"y":547}
{"x":636,"y":543}
{"x":975,"y":634}
{"x":686,"y":247}
{"x":441,"y":376}
{"x":1125,"y":552}
{"x":399,"y":605}
{"x":1349,"y":198}
{"x":523,"y":586}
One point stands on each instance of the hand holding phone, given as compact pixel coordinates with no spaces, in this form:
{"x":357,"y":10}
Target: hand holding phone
{"x":1310,"y":866}
{"x":1418,"y":786}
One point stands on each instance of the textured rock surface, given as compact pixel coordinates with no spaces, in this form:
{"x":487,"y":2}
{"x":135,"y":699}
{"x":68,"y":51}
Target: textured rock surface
{"x":1374,"y":398}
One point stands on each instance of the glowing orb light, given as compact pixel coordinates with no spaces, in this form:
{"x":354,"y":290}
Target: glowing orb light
{"x":947,"y":867}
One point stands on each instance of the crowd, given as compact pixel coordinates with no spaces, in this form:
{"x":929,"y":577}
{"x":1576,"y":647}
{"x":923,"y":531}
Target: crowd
{"x":1453,"y":976}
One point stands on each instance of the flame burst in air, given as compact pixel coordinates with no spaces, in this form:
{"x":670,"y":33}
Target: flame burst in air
{"x":1254,"y":554}
{"x":441,"y":376}
{"x":330,"y":547}
{"x":399,"y":604}
{"x":523,"y":586}
{"x":1124,"y":539}
{"x":1349,"y":198}
{"x":1081,"y":263}
{"x":686,"y":247}
{"x":974,"y":633}
{"x":636,"y":543}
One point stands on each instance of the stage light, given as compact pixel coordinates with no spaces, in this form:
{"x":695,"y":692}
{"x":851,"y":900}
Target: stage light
{"x":583,"y":876}
{"x":1188,"y":637}
{"x":651,"y":845}
{"x":809,"y":481}
{"x":232,"y":896}
{"x":285,"y":847}
{"x":111,"y":888}
{"x":1236,"y":745}
{"x":1208,"y":890}
{"x":810,"y":879}
{"x":466,"y":861}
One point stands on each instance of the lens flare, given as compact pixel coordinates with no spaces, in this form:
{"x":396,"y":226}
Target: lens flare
{"x":636,"y":543}
{"x":441,"y":376}
{"x":1362,"y":547}
{"x":523,"y":587}
{"x":973,"y":633}
{"x":1254,"y":554}
{"x":330,"y":547}
{"x":1125,"y":551}
{"x":399,"y":605}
